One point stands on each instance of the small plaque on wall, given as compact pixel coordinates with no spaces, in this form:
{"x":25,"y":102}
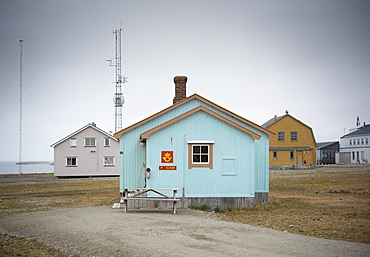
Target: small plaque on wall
{"x":167,"y":167}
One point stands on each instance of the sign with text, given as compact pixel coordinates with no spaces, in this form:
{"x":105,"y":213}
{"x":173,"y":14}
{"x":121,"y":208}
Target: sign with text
{"x":167,"y":167}
{"x":167,"y":157}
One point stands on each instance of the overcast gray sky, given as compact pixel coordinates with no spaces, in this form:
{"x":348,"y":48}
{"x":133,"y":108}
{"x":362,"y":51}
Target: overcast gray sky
{"x":255,"y":58}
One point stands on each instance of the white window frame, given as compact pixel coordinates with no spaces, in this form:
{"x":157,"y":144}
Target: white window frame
{"x":106,"y":162}
{"x":71,"y":158}
{"x":200,"y":154}
{"x":108,"y":140}
{"x":73,"y":142}
{"x":86,"y":139}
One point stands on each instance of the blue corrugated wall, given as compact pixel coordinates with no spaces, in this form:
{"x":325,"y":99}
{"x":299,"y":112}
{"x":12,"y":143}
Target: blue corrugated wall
{"x":233,"y":150}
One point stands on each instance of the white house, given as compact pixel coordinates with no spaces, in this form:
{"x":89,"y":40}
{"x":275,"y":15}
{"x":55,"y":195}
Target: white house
{"x":357,"y":143}
{"x":88,"y":151}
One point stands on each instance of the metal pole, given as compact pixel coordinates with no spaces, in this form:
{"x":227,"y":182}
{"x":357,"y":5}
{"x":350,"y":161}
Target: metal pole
{"x":20,"y":105}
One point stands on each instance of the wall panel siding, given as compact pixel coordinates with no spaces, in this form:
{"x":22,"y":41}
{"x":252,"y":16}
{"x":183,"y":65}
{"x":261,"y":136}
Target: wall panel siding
{"x":229,"y":142}
{"x":89,"y":159}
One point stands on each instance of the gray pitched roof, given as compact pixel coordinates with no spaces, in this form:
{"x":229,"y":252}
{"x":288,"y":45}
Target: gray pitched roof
{"x":271,"y":121}
{"x":92,"y":125}
{"x":364,"y":130}
{"x":326,"y":144}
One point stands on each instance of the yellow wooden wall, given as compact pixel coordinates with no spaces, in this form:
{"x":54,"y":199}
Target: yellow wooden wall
{"x":306,"y":138}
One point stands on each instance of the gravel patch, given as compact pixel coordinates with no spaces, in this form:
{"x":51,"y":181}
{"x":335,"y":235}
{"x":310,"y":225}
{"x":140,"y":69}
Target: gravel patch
{"x":103,"y":231}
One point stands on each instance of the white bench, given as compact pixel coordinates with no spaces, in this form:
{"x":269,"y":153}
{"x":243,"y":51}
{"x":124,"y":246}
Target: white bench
{"x":140,"y":194}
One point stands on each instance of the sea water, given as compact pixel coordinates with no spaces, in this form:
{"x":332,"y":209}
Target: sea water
{"x":7,"y":167}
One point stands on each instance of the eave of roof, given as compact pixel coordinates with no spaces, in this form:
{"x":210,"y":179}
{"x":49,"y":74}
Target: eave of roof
{"x":81,"y":129}
{"x":291,"y":148}
{"x":194,"y":96}
{"x":146,"y":134}
{"x":326,"y":144}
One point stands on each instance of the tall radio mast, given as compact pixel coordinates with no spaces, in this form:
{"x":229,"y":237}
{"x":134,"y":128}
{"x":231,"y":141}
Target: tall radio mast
{"x":118,"y":98}
{"x":20,"y":104}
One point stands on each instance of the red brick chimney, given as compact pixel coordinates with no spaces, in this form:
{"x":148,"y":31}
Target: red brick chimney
{"x":180,"y":88}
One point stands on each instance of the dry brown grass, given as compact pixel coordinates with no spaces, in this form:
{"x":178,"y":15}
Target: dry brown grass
{"x":332,"y":202}
{"x":329,"y":203}
{"x":25,"y":193}
{"x":38,"y":192}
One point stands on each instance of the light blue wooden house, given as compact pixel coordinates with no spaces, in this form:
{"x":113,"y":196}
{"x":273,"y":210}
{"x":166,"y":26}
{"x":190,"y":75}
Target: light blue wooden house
{"x":211,"y":154}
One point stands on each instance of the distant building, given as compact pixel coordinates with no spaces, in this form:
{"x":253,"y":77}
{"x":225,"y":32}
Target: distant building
{"x":326,"y":152}
{"x":217,"y":157}
{"x":294,"y":144}
{"x":88,"y":151}
{"x":357,"y":144}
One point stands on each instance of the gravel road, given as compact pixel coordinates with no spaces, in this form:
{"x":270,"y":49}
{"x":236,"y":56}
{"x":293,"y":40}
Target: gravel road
{"x":103,"y":231}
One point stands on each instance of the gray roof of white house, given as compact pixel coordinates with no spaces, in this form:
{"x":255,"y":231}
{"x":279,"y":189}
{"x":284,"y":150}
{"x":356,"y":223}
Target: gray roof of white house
{"x":364,"y":130}
{"x":92,"y":125}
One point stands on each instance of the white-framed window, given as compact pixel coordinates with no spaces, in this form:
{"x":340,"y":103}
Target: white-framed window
{"x":90,"y":141}
{"x":200,"y":154}
{"x":366,"y":140}
{"x":108,"y":161}
{"x":71,"y":161}
{"x":281,"y":136}
{"x":73,"y":142}
{"x":358,"y":141}
{"x":106,"y":141}
{"x":350,"y":142}
{"x":362,"y":141}
{"x":354,"y":141}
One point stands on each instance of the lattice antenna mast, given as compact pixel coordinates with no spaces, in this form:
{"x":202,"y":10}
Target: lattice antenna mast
{"x":118,"y":98}
{"x":20,"y":104}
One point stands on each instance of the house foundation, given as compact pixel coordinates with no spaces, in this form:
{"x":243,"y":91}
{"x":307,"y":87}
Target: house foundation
{"x":212,"y":202}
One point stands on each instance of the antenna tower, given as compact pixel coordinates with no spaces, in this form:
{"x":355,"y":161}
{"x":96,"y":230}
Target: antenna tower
{"x":118,"y":98}
{"x":20,"y":104}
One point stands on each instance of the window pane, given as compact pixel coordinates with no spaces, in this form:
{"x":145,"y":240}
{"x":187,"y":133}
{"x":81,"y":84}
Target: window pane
{"x":73,"y":142}
{"x":196,"y":158}
{"x":106,"y":141}
{"x":204,"y":158}
{"x":89,"y":141}
{"x":293,"y":136}
{"x":280,"y":136}
{"x":109,"y":160}
{"x":196,"y":149}
{"x":204,"y":149}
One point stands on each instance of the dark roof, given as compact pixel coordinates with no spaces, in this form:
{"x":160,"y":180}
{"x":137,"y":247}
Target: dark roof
{"x":326,"y":144}
{"x":364,"y":130}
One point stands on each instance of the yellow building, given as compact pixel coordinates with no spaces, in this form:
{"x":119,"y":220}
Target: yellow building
{"x":294,"y":143}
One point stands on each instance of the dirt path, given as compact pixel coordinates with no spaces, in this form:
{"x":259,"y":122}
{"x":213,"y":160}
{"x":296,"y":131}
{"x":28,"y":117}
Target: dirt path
{"x":103,"y":231}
